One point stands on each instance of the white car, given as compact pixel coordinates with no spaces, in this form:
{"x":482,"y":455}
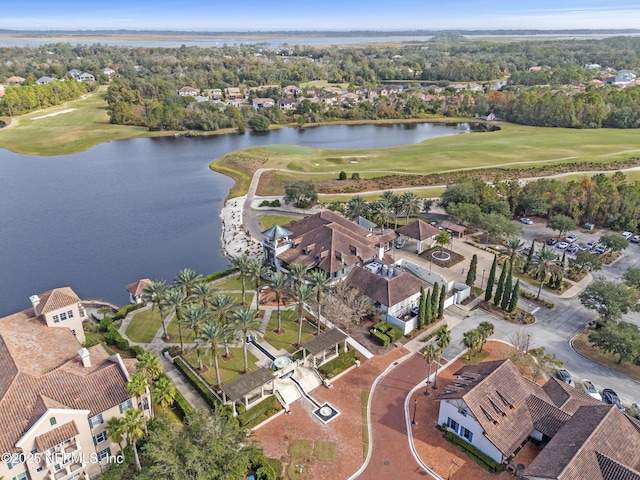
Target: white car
{"x":571,"y":238}
{"x":526,"y":221}
{"x":627,"y":235}
{"x":635,"y":239}
{"x":591,"y":390}
{"x":562,"y":245}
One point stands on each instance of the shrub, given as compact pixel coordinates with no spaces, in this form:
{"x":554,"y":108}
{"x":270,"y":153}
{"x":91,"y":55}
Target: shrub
{"x":355,"y":176}
{"x":339,"y":364}
{"x":277,"y":466}
{"x":199,"y":385}
{"x":181,"y":404}
{"x":265,"y":203}
{"x":136,"y":351}
{"x":532,"y":296}
{"x":260,"y":412}
{"x":382,"y":326}
{"x":276,"y":203}
{"x":216,"y":275}
{"x":395,"y":333}
{"x":475,"y":454}
{"x":385,"y":329}
{"x":105,"y":323}
{"x":124,"y":311}
{"x":343,"y":175}
{"x":382,"y":338}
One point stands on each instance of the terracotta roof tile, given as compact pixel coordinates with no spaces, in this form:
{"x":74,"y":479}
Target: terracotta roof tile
{"x":57,"y":435}
{"x":612,"y":470}
{"x":386,"y":291}
{"x":418,"y":230}
{"x":137,"y":288}
{"x":56,"y":298}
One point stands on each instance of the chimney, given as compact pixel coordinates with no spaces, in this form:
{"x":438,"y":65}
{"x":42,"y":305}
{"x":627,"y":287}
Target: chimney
{"x":35,"y":301}
{"x":85,"y":357}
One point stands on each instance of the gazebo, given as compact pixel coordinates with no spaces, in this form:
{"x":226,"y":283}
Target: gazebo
{"x":247,"y":387}
{"x":458,"y":230}
{"x":419,"y":231}
{"x":324,"y":346}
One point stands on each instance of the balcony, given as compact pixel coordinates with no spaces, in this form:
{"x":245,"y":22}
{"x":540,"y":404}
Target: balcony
{"x":63,"y":452}
{"x":68,"y":472}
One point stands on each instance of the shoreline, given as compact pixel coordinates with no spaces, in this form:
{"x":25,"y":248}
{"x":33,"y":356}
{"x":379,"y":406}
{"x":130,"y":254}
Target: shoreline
{"x":235,"y":239}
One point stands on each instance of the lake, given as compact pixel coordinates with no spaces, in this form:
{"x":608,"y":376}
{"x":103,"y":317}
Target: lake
{"x":130,"y":209}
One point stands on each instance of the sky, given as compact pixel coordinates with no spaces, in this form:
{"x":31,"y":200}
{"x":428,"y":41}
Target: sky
{"x":265,"y":15}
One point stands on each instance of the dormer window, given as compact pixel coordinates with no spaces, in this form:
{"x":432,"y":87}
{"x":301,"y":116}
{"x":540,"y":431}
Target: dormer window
{"x":496,"y":408}
{"x":506,"y":402}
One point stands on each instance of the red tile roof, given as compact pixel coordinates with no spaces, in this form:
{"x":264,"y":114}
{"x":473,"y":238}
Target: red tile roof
{"x":58,"y":435}
{"x":137,"y":288}
{"x":56,"y":299}
{"x":386,"y":291}
{"x":418,"y":230}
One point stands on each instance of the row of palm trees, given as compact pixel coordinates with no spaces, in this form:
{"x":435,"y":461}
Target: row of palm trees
{"x":434,"y":351}
{"x":388,"y":208}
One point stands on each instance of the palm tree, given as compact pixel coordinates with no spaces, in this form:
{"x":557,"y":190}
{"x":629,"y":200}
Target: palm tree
{"x":279,"y":283}
{"x":471,"y":340}
{"x":443,"y":339}
{"x":195,"y":316}
{"x":430,"y":354}
{"x":411,"y":204}
{"x":511,"y":250}
{"x":186,"y":279}
{"x":203,"y":293}
{"x":356,"y":207}
{"x":223,"y":304}
{"x":255,"y":271}
{"x":486,"y":330}
{"x":443,"y":238}
{"x":393,"y":202}
{"x":319,"y":282}
{"x":105,"y":310}
{"x":241,"y":263}
{"x":165,"y":392}
{"x":214,"y":334}
{"x":137,"y":387}
{"x":176,"y":299}
{"x":133,"y":426}
{"x":245,"y":323}
{"x":303,"y":294}
{"x":297,"y":271}
{"x":382,"y":213}
{"x":155,"y":293}
{"x":115,"y":430}
{"x":149,"y":363}
{"x":545,"y":266}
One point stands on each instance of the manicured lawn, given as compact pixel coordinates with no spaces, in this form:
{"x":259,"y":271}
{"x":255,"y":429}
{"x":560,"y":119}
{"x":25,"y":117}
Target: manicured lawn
{"x":69,"y":132}
{"x":289,"y":336}
{"x":269,"y":221}
{"x":144,"y":326}
{"x":324,"y":451}
{"x":232,"y":284}
{"x":299,"y":451}
{"x":426,"y":192}
{"x":229,"y":369}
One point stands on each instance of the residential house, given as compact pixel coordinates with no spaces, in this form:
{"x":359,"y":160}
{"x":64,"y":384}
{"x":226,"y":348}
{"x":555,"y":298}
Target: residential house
{"x":86,"y":77}
{"x":215,"y":94}
{"x":292,"y":91}
{"x":188,"y":91}
{"x":349,"y":98}
{"x":336,"y":90}
{"x":328,"y":98}
{"x":15,"y":80}
{"x":74,"y":73}
{"x":622,"y":79}
{"x":233,"y":93}
{"x":56,"y":397}
{"x":493,"y":407}
{"x":136,"y":290}
{"x":109,"y":72}
{"x":287,"y":104}
{"x":44,"y":80}
{"x":592,"y":66}
{"x":263,"y":103}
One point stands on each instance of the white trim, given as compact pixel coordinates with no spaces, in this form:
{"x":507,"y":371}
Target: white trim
{"x":45,"y":416}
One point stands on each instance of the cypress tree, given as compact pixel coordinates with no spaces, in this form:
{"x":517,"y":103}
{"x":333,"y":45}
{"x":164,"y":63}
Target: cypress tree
{"x":435,"y":295}
{"x":530,"y":256}
{"x":471,"y":275}
{"x":443,"y":297}
{"x":508,"y":286}
{"x":421,"y":309}
{"x":427,"y":308}
{"x":500,"y":288}
{"x":513,"y":302}
{"x":491,"y":279}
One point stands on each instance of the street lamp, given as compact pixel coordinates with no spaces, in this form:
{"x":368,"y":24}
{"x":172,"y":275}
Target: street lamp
{"x":415,"y":408}
{"x":450,"y":467}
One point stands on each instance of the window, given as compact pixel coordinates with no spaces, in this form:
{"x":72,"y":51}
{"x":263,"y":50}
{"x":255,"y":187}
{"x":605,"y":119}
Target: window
{"x":63,"y":316}
{"x":39,"y":469}
{"x":52,"y":420}
{"x":453,"y":425}
{"x":462,"y":412}
{"x":56,"y":319}
{"x":97,"y":420}
{"x":14,"y":460}
{"x":464,"y":433}
{"x":22,"y":476}
{"x":73,"y":330}
{"x":70,"y":314}
{"x":102,"y":454}
{"x":124,"y":406}
{"x":99,"y":438}
{"x":34,"y":451}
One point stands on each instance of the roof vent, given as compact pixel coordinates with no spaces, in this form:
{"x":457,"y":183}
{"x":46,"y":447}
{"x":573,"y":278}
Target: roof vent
{"x":85,"y":357}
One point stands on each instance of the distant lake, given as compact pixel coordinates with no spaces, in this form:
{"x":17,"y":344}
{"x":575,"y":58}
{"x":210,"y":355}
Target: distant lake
{"x":131,"y":209}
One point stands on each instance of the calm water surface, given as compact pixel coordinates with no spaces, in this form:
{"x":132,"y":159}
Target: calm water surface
{"x":131,"y":209}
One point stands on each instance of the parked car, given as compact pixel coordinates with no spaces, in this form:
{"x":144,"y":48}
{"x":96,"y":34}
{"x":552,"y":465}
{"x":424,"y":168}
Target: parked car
{"x":565,"y":376}
{"x":635,"y":239}
{"x":590,"y":245}
{"x":600,"y":249}
{"x":526,"y":221}
{"x":572,"y":237}
{"x":612,"y":397}
{"x":400,"y":243}
{"x":573,"y":249}
{"x":584,"y":248}
{"x":591,"y":389}
{"x":627,"y":235}
{"x":552,"y":241}
{"x":562,"y":245}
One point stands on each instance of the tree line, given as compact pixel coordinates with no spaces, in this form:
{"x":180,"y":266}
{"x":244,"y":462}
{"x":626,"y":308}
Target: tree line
{"x":25,"y":99}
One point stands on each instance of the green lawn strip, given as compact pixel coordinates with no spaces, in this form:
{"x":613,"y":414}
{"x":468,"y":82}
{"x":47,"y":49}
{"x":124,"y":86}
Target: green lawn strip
{"x":299,"y":457}
{"x":534,"y":282}
{"x":229,"y":369}
{"x":289,"y":336}
{"x":232,"y":284}
{"x":583,"y":347}
{"x":69,"y":132}
{"x":475,"y":359}
{"x":269,"y":221}
{"x":144,"y":326}
{"x":365,"y":426}
{"x":242,"y":179}
{"x":324,"y":451}
{"x":426,"y":192}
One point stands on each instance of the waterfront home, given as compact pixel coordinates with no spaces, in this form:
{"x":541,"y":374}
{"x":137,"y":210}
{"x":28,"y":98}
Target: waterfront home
{"x":263,"y":103}
{"x":136,"y":290}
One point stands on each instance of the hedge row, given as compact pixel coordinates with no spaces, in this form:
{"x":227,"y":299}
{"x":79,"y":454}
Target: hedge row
{"x":267,"y":203}
{"x":198,"y":384}
{"x":339,"y":364}
{"x":216,"y":275}
{"x":181,"y":404}
{"x":385,"y":333}
{"x":382,"y":338}
{"x":112,"y":337}
{"x":124,"y":311}
{"x":259,"y":413}
{"x":476,"y":455}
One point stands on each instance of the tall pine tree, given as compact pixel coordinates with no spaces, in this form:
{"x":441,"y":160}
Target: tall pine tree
{"x":508,"y":286}
{"x":471,"y":274}
{"x":427,"y":308}
{"x":530,"y":256}
{"x":435,"y":295}
{"x":513,"y":302}
{"x":491,"y":280}
{"x":443,"y":297}
{"x":500,"y":288}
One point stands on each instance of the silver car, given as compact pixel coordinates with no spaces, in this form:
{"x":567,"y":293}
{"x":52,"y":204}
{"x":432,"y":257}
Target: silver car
{"x":565,"y":376}
{"x":591,"y":389}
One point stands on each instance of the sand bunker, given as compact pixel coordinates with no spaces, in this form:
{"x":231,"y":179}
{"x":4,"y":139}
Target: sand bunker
{"x":54,"y":114}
